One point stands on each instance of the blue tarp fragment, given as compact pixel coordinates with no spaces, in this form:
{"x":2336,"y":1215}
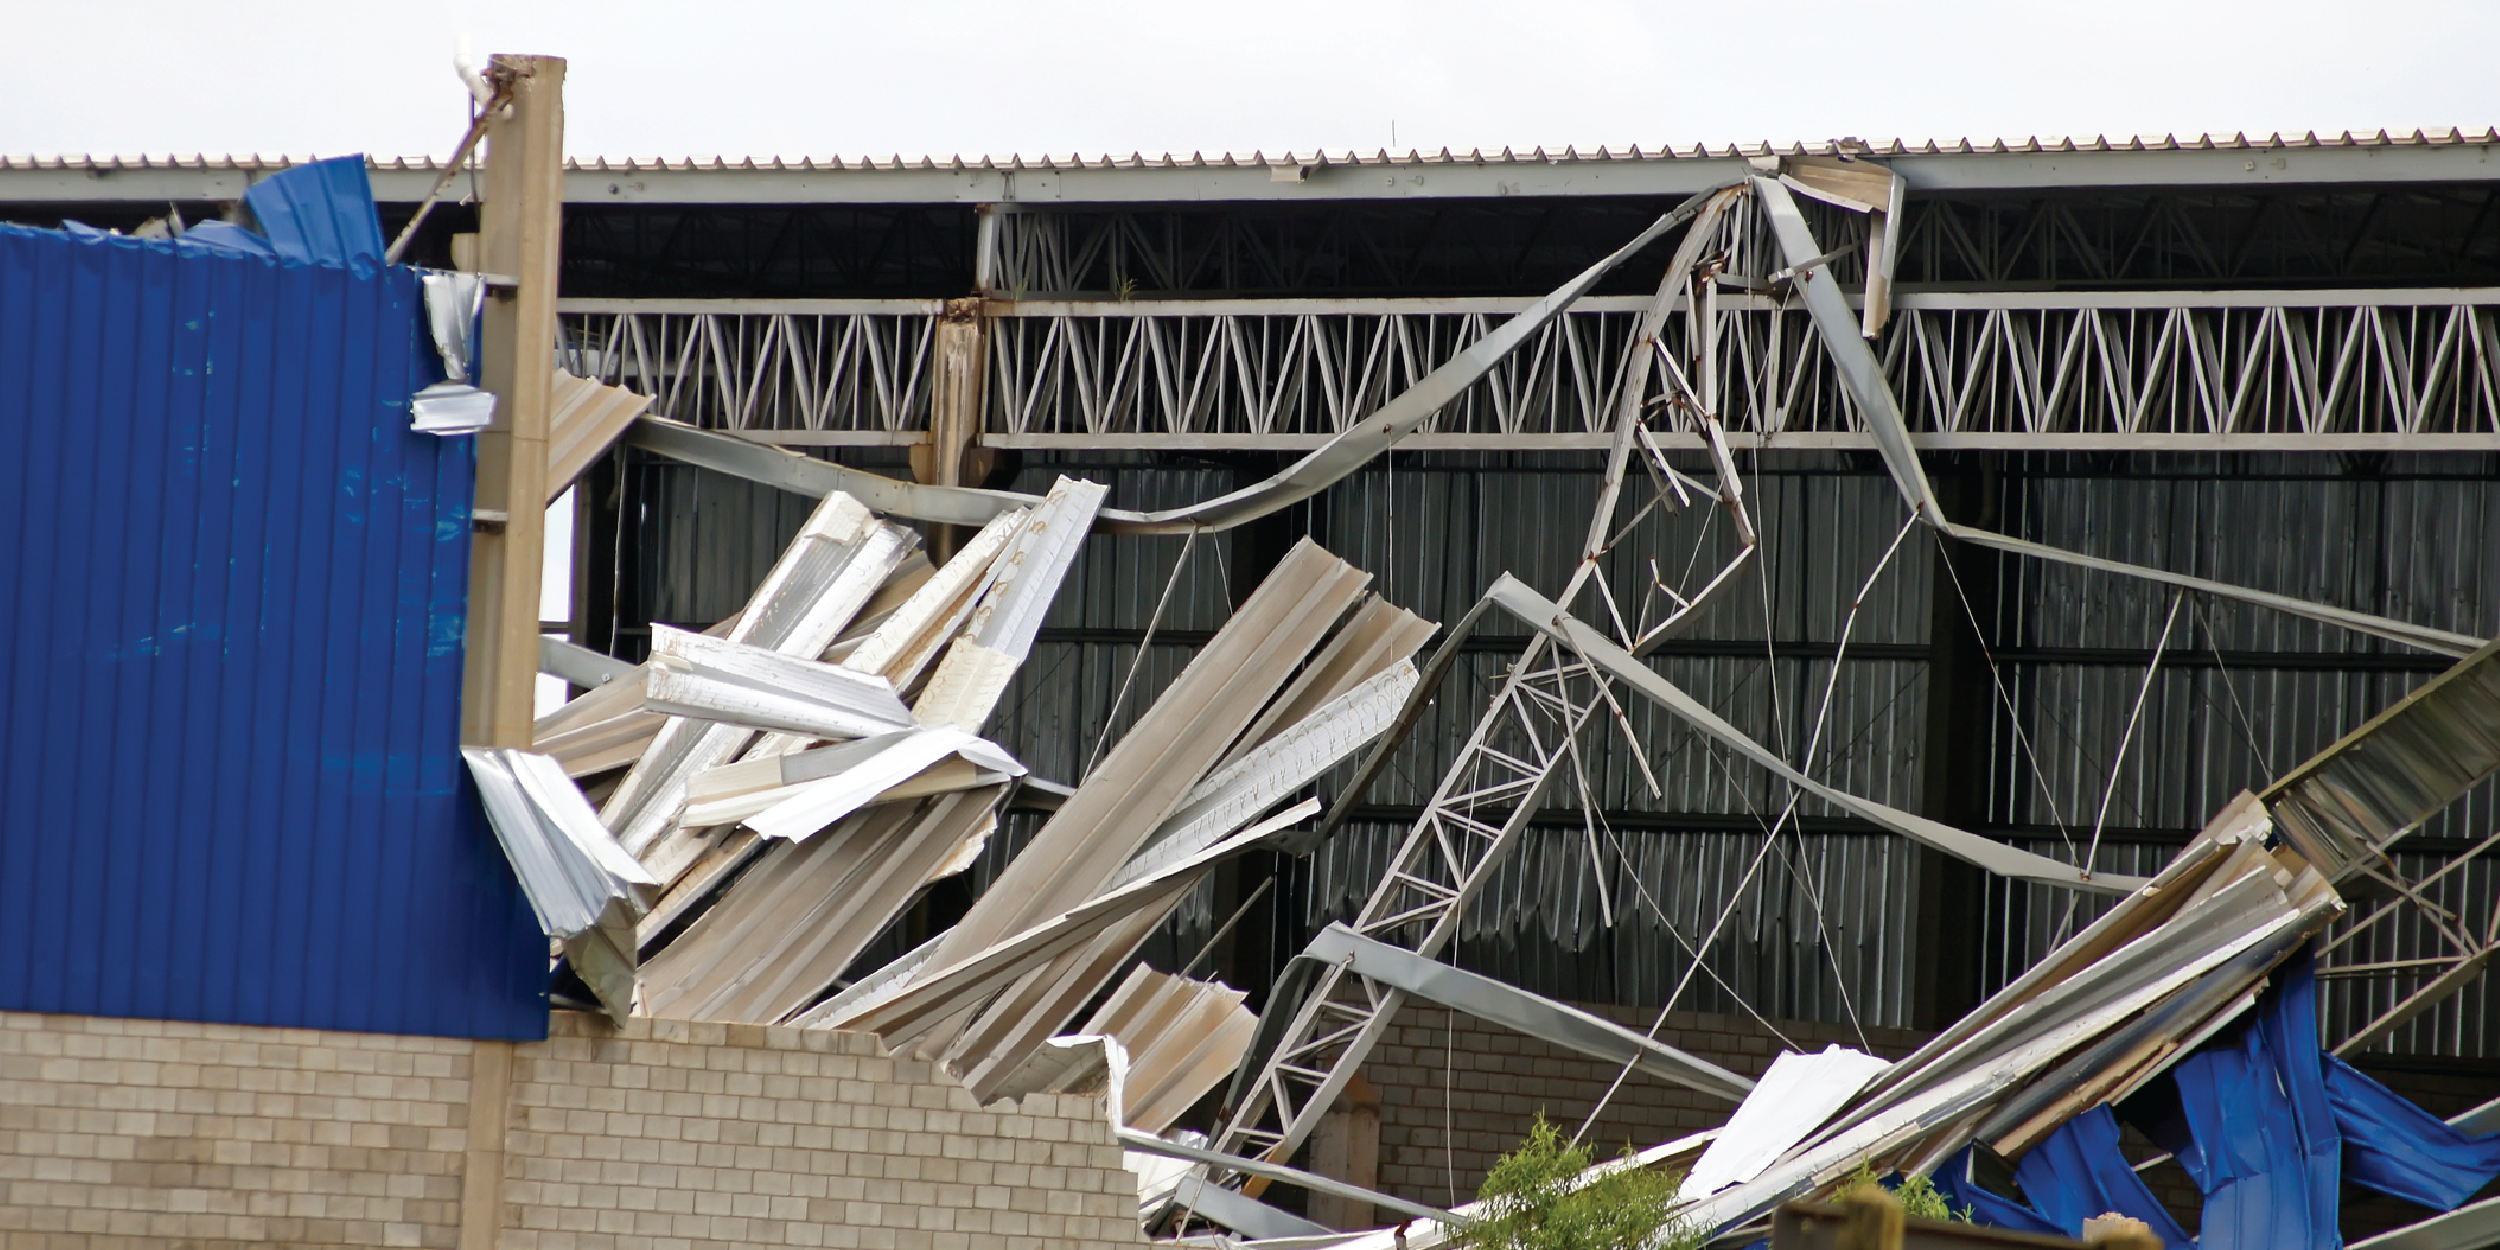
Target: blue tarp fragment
{"x":314,"y":214}
{"x":2265,"y":1123}
{"x":321,"y":214}
{"x":2076,"y":1173}
{"x":2260,"y":1140}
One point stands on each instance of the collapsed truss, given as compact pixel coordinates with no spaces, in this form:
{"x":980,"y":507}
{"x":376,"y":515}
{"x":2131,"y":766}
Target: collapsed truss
{"x":2310,"y":365}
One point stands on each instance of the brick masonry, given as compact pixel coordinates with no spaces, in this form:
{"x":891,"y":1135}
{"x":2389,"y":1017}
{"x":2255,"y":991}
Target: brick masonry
{"x":124,"y":1133}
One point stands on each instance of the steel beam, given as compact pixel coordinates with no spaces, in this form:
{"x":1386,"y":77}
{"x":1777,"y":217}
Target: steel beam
{"x":1514,"y":1008}
{"x":2465,"y":1228}
{"x":578,"y":664}
{"x":1505,"y":305}
{"x":1862,"y":377}
{"x":1241,"y":1212}
{"x":2178,"y":370}
{"x":1598,"y":651}
{"x":1131,"y":1139}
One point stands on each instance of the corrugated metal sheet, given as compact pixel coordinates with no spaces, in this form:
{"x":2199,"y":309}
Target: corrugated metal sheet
{"x":2027,"y":921}
{"x":320,"y":214}
{"x":2442,"y":137}
{"x":234,"y":588}
{"x":2397,"y":536}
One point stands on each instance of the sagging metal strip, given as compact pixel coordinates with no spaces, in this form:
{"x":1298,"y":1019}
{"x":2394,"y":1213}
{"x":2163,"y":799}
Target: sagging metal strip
{"x":1147,"y":1143}
{"x":1541,"y":613}
{"x":1514,"y":1008}
{"x":1322,"y":468}
{"x":1862,"y":376}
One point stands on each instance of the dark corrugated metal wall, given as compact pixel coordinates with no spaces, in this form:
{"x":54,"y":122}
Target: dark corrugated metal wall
{"x":230,"y":655}
{"x":1826,"y":929}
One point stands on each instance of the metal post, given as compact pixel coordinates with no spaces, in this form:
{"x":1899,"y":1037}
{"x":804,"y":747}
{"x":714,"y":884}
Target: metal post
{"x":520,"y":224}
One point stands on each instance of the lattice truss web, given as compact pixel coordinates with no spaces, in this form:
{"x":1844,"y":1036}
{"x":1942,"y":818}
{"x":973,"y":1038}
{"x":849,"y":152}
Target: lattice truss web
{"x":1580,"y":678}
{"x":2115,"y":363}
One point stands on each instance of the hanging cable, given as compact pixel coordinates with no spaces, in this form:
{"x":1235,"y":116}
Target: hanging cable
{"x":2128,"y":735}
{"x":2248,"y":730}
{"x":1772,"y":831}
{"x":2004,"y":699}
{"x":1138,"y":661}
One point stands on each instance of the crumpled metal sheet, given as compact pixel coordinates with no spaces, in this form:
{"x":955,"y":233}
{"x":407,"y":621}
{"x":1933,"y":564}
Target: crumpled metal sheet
{"x":2395,"y":770}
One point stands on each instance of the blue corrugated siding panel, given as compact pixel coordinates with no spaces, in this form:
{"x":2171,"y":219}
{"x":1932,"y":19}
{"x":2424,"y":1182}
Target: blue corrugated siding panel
{"x":320,"y":213}
{"x":231,"y":591}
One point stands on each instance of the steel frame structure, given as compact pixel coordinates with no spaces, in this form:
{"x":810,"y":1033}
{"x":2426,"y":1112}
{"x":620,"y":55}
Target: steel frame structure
{"x":1511,"y":760}
{"x":1518,"y":747}
{"x":2155,"y":331}
{"x":2464,"y":707}
{"x":2134,"y":370}
{"x":2407,"y":951}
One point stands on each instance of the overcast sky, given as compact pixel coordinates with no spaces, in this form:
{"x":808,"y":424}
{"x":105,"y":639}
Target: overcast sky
{"x":744,"y":78}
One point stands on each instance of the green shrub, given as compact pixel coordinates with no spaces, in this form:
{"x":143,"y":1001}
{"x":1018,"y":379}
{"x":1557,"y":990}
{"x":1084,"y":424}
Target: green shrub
{"x":1529,"y":1203}
{"x":1917,"y":1194}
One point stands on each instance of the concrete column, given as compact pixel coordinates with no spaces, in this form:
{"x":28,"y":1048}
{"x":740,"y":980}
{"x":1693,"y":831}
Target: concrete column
{"x":520,"y":224}
{"x":952,"y":457}
{"x":1346,"y":1147}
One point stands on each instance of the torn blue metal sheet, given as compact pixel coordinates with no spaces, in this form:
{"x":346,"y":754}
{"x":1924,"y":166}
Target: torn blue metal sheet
{"x":2265,"y":1124}
{"x":2260,"y":1140}
{"x":2401,"y":1150}
{"x":231,"y":609}
{"x":1984,"y":1206}
{"x":2074,"y":1174}
{"x":320,"y":213}
{"x":225,"y":236}
{"x":2078,"y":1172}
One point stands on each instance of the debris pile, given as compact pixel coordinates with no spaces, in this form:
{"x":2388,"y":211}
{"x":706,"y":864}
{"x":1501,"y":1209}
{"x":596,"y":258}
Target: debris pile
{"x":775,"y":792}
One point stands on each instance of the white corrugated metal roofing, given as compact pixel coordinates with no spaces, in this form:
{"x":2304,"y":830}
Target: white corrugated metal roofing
{"x":2451,"y":137}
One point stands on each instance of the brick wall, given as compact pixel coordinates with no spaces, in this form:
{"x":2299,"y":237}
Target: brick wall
{"x":127,"y":1133}
{"x":131,"y":1132}
{"x":1486,"y":1084}
{"x":1498,"y":1080}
